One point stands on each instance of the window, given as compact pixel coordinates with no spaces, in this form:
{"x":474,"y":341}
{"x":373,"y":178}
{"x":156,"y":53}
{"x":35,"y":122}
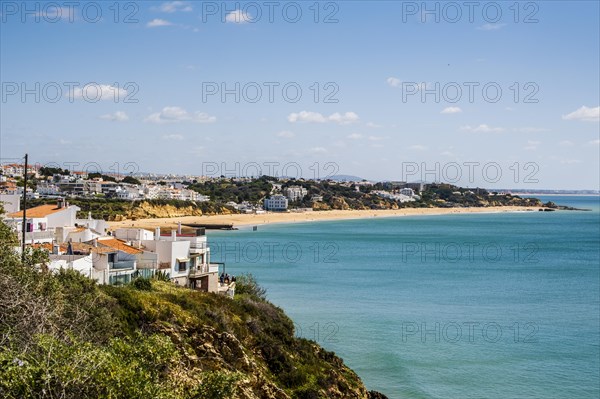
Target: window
{"x":182,"y":266}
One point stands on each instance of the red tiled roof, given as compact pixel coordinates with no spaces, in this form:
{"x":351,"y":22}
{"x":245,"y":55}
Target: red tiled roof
{"x":38,"y":211}
{"x":119,"y":245}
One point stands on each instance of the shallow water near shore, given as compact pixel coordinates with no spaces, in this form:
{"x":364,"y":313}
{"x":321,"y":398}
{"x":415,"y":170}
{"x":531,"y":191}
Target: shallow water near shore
{"x":450,"y":306}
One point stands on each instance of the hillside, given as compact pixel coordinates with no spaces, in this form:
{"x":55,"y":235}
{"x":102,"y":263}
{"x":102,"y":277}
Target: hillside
{"x":65,"y":337}
{"x":334,"y":196}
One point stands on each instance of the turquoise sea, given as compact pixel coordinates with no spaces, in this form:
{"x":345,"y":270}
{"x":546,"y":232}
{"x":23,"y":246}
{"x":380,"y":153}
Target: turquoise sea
{"x":456,"y":306}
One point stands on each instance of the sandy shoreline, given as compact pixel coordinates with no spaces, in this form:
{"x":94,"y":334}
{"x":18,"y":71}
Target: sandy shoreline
{"x":239,"y":220}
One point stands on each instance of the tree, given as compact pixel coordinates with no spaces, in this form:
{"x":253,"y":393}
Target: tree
{"x":131,"y":180}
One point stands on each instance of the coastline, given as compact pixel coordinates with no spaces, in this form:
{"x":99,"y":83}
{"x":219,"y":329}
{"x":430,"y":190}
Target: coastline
{"x":240,"y":220}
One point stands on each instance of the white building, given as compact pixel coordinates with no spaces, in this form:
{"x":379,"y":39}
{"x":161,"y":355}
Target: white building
{"x":393,"y":197}
{"x":59,"y":223}
{"x":185,"y":258}
{"x":409,"y":192}
{"x":294,"y":193}
{"x":42,"y":221}
{"x":45,"y":188}
{"x":276,"y":203}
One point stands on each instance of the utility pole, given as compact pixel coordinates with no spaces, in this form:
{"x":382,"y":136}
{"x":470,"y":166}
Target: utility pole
{"x":24,"y":227}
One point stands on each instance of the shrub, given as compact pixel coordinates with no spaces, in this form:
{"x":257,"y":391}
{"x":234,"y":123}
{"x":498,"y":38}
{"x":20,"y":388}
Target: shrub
{"x":217,"y":384}
{"x":142,"y":284}
{"x":247,"y":284}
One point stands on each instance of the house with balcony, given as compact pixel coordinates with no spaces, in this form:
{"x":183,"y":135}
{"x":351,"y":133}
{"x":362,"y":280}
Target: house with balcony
{"x":185,"y":258}
{"x":112,"y":261}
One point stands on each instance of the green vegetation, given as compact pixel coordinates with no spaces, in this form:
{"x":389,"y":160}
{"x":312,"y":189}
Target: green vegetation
{"x":62,"y":336}
{"x":131,"y":180}
{"x":97,"y":175}
{"x":49,"y":171}
{"x":340,"y":196}
{"x":225,"y":190}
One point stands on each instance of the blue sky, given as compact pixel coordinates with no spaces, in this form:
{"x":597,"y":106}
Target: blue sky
{"x":380,"y":61}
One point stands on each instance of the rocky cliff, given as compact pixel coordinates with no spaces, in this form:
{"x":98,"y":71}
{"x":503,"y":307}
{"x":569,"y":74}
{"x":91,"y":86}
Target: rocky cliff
{"x":247,"y":340}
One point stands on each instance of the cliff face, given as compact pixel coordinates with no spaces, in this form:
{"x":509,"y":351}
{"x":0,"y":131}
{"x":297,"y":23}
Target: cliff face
{"x":147,"y":210}
{"x":247,"y":340}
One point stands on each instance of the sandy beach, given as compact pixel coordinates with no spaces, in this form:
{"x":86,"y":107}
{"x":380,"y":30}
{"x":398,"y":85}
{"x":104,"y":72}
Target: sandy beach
{"x":239,"y":220}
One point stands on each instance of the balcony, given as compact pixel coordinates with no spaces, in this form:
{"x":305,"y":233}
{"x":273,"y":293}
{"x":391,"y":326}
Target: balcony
{"x":122,"y":265}
{"x":204,"y":269}
{"x":198,"y":248}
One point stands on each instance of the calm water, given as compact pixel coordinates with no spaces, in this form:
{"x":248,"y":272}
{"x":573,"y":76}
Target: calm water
{"x":457,"y":306}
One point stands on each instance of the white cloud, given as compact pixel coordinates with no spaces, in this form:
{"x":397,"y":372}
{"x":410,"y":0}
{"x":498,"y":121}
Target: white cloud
{"x":306,"y":116}
{"x":491,"y":26}
{"x":64,"y":142}
{"x":174,"y":6}
{"x":177,"y":114}
{"x":394,"y":82}
{"x":375,"y":138}
{"x":417,"y":147}
{"x":238,"y":17}
{"x":315,"y":117}
{"x":172,"y":137}
{"x":566,"y":143}
{"x":286,"y":134}
{"x":447,"y":154}
{"x":156,"y":22}
{"x":373,"y":125}
{"x":118,"y":116}
{"x":451,"y":110}
{"x":584,"y":114}
{"x":595,"y":142}
{"x":345,"y":119}
{"x":318,"y":150}
{"x":483,"y":128}
{"x":95,"y":92}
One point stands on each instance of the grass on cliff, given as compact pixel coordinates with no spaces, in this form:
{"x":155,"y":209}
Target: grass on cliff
{"x":62,"y":336}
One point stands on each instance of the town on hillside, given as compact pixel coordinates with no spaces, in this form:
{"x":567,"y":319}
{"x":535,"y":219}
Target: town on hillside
{"x":67,"y":213}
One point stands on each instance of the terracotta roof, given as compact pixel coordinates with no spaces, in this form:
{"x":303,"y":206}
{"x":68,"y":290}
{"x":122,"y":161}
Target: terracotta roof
{"x":86,"y":248}
{"x":38,"y":211}
{"x":119,"y":245}
{"x":44,"y":245}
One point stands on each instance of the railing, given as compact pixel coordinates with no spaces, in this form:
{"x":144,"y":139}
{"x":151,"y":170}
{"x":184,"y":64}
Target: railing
{"x":204,"y":269}
{"x":196,"y":248}
{"x":122,"y":265}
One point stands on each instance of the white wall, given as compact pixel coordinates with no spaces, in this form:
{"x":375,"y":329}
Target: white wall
{"x":10,"y":202}
{"x":130,"y":234}
{"x":80,"y":263}
{"x":63,"y":218}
